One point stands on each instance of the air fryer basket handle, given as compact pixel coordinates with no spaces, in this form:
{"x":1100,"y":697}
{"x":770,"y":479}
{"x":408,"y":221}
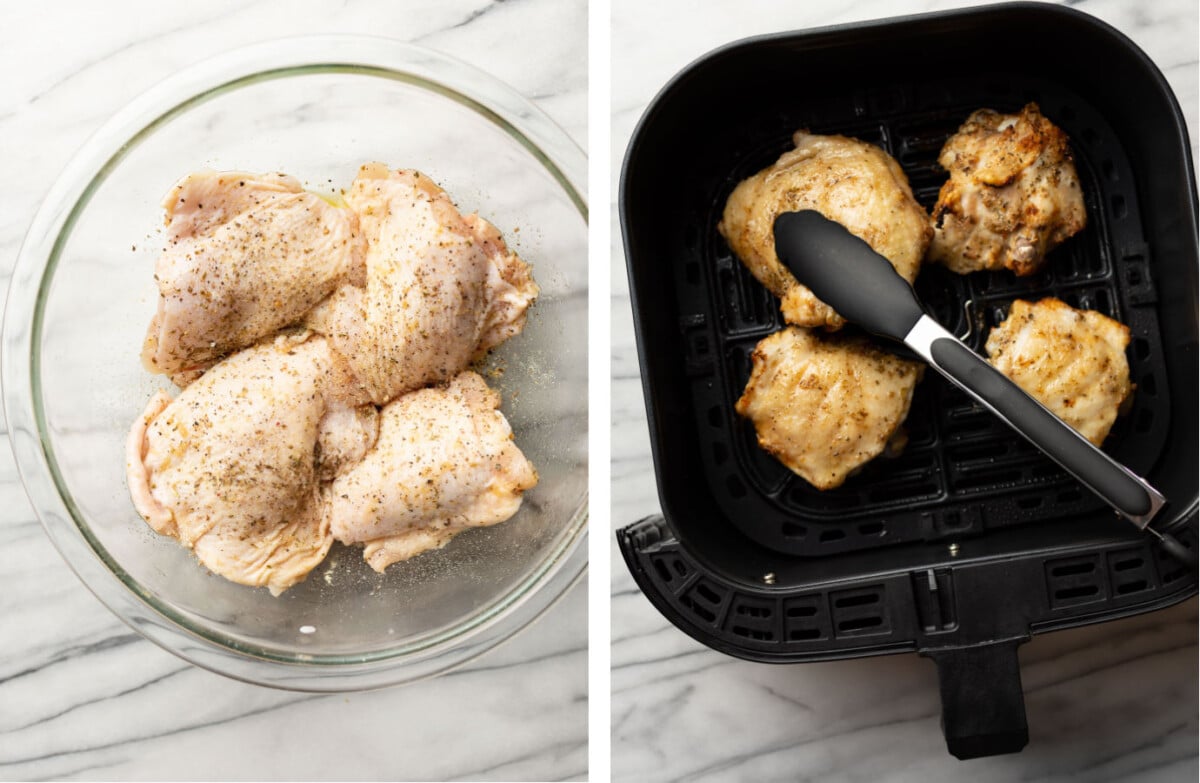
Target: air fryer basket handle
{"x":983,"y":708}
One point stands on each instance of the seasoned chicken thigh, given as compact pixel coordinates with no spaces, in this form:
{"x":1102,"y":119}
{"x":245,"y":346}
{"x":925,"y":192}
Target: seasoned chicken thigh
{"x":444,"y":461}
{"x":230,"y":469}
{"x":277,"y":441}
{"x":1012,"y":197}
{"x":441,"y":289}
{"x":825,"y":405}
{"x":246,"y":255}
{"x":1072,"y":361}
{"x":846,"y":180}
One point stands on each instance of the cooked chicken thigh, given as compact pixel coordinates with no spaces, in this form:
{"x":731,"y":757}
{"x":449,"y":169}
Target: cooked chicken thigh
{"x":847,"y":180}
{"x":441,"y":289}
{"x":1072,"y":361}
{"x":825,"y":405}
{"x":246,"y":255}
{"x":444,"y":461}
{"x":1012,"y":197}
{"x":229,"y":466}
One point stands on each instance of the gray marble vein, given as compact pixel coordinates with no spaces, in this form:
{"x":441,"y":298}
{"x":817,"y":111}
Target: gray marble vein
{"x":1115,"y":702}
{"x":82,"y":697}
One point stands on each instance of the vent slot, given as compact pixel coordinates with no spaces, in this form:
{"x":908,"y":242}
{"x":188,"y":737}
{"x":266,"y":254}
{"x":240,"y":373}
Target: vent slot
{"x":861,"y":612}
{"x":955,"y":522}
{"x":804,"y":619}
{"x":1074,"y":581}
{"x":1075,"y":569}
{"x":847,"y":627}
{"x":670,"y":569}
{"x":1131,"y":571}
{"x":754,"y":618}
{"x":748,"y":306}
{"x":704,"y":600}
{"x":857,"y":600}
{"x":703,"y":612}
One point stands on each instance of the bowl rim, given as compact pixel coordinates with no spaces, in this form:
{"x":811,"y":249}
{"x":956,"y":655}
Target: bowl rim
{"x":429,"y":654}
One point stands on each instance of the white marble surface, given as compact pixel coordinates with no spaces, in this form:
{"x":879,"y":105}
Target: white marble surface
{"x":1113,"y":702}
{"x":81,"y":695}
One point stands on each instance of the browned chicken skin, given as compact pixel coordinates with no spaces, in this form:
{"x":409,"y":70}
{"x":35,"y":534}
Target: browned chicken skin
{"x":1072,"y":361}
{"x":824,"y":406}
{"x":1012,"y":197}
{"x":846,"y":180}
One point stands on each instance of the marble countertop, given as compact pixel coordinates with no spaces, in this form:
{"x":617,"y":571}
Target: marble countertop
{"x":1106,"y":703}
{"x":82,"y":695}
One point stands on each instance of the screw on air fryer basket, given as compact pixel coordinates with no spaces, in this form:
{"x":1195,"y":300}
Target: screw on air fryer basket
{"x":954,"y":550}
{"x":769,"y":578}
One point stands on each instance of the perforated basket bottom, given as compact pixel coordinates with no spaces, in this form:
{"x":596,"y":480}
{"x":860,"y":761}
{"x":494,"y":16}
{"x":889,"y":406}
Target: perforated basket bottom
{"x":962,"y":472}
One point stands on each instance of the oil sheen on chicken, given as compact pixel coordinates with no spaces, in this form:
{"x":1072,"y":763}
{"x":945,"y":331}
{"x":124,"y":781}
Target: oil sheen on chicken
{"x":1072,"y":361}
{"x":824,"y":406}
{"x":246,"y":255}
{"x":846,"y":180}
{"x":1012,"y":197}
{"x":229,"y":467}
{"x":441,"y":288}
{"x":444,"y":461}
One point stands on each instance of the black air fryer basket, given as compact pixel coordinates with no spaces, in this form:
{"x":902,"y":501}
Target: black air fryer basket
{"x":971,"y":541}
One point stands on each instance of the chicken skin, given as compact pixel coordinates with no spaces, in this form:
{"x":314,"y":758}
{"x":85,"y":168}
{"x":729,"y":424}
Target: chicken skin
{"x":1072,"y":361}
{"x":846,"y":180}
{"x":441,"y":289}
{"x":1012,"y":197}
{"x":444,"y":461}
{"x":246,"y":255}
{"x":824,"y":406}
{"x":289,"y":322}
{"x":229,"y":467}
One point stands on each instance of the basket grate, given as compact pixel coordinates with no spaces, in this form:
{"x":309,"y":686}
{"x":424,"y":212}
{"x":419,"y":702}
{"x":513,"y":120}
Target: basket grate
{"x":962,"y":472}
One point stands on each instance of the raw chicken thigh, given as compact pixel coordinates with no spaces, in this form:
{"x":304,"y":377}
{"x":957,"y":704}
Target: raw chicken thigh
{"x":229,"y":466}
{"x":1072,"y":361}
{"x":825,"y":405}
{"x":441,"y":289}
{"x":1012,"y":197}
{"x":847,"y":180}
{"x":246,"y":255}
{"x":445,"y":461}
{"x":270,"y":451}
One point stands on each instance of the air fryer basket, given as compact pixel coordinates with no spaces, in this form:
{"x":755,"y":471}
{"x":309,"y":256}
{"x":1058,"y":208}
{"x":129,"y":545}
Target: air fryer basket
{"x":971,"y":541}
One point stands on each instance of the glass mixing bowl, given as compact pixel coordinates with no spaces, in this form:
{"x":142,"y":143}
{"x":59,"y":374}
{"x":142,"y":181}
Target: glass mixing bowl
{"x":82,"y":294}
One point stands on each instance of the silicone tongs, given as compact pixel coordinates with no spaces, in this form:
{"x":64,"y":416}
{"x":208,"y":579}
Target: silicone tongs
{"x":863,"y":287}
